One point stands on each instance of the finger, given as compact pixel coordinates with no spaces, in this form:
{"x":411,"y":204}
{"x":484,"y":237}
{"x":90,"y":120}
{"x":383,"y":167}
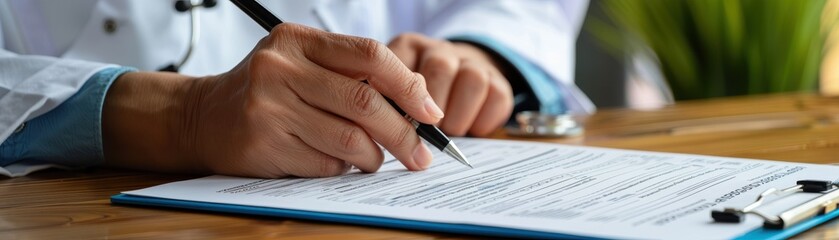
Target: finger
{"x":363,"y":58}
{"x":338,"y":138}
{"x":407,"y":55}
{"x":361,"y":104}
{"x":468,"y":94}
{"x":497,"y":108}
{"x":301,"y":160}
{"x":282,"y":155}
{"x":439,"y":66}
{"x":408,"y":47}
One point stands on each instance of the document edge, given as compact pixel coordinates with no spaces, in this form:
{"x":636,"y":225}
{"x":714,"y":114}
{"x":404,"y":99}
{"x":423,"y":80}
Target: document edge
{"x":467,"y":229}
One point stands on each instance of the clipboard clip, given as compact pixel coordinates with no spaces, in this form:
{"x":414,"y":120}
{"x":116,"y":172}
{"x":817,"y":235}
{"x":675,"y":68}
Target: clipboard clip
{"x":823,"y":204}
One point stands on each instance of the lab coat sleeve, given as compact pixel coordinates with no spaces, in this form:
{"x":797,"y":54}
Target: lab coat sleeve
{"x":68,"y":136}
{"x":37,"y":128}
{"x":537,"y":37}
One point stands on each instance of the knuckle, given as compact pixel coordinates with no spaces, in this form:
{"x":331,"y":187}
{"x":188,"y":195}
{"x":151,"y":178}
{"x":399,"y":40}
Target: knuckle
{"x":280,"y":33}
{"x":370,"y":50}
{"x":263,"y":66}
{"x":448,"y":45}
{"x":288,"y":29}
{"x":290,"y":36}
{"x":266,"y":61}
{"x":264,"y":42}
{"x":281,"y":29}
{"x":351,"y":139}
{"x":259,"y":59}
{"x":363,"y":100}
{"x":412,"y":88}
{"x":400,"y":40}
{"x":438,"y":66}
{"x":406,"y":37}
{"x":402,"y":136}
{"x":475,"y":76}
{"x":412,"y":35}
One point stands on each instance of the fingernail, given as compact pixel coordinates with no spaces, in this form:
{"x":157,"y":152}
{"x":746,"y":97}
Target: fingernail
{"x":422,"y":156}
{"x":432,"y":108}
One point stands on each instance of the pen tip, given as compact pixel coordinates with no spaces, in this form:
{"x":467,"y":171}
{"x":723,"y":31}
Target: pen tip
{"x":455,"y":153}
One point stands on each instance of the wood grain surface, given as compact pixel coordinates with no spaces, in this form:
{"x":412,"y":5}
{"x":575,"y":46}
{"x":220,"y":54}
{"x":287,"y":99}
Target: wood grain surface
{"x":56,"y":204}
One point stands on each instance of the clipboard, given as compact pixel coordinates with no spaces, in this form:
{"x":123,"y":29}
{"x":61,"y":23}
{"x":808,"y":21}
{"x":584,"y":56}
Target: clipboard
{"x":467,"y":229}
{"x":654,"y":196}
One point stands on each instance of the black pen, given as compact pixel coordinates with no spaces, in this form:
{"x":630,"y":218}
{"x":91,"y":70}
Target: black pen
{"x":430,"y":133}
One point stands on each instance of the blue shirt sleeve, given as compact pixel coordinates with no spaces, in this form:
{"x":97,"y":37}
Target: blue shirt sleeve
{"x":534,"y":88}
{"x":70,"y":135}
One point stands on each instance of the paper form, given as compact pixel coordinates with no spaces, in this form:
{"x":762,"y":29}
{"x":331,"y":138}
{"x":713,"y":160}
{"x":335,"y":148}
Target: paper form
{"x":586,"y":191}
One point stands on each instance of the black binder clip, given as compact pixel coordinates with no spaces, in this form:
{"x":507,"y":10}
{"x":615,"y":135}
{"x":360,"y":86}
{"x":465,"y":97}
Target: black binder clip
{"x":823,"y":204}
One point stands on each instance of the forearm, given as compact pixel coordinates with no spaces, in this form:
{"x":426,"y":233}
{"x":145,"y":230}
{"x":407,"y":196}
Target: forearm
{"x":143,"y":118}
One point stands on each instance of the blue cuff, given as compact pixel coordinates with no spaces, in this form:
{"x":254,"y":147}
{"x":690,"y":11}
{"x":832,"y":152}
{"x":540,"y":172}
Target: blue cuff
{"x":70,"y":135}
{"x":544,"y":87}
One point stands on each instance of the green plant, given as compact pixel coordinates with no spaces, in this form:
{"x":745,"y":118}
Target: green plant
{"x":711,"y":48}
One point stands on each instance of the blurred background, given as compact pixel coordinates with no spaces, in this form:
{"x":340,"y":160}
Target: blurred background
{"x":649,"y":53}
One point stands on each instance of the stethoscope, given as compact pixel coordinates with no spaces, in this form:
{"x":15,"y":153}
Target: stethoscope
{"x":544,"y":125}
{"x":194,"y":27}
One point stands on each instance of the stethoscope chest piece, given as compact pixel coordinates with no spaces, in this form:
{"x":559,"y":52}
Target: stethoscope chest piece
{"x":536,"y":124}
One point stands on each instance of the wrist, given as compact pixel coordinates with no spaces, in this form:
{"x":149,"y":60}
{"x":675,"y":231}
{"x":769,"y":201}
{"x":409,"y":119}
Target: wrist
{"x":144,"y":124}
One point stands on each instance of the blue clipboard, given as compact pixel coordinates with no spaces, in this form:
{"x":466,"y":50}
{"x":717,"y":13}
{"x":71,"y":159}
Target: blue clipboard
{"x":468,"y":229}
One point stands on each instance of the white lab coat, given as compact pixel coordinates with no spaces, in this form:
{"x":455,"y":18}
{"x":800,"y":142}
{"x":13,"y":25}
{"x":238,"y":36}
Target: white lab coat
{"x":49,"y":48}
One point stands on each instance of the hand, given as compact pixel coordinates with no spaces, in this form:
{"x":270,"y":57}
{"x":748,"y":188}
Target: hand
{"x":295,"y":106}
{"x":464,"y":81}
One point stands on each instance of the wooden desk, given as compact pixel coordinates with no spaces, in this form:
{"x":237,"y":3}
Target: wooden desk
{"x":60,"y":205}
